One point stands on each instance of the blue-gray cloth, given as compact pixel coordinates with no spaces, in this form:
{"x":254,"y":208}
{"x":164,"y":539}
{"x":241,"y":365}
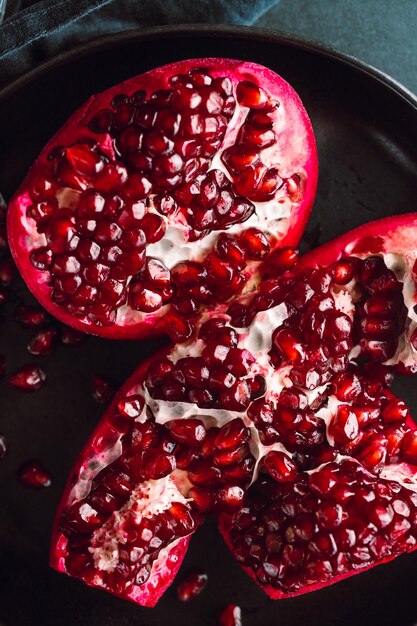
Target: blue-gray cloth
{"x":46,"y":28}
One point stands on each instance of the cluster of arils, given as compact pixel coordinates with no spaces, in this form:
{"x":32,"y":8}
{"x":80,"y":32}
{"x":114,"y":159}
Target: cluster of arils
{"x":279,"y":416}
{"x":162,"y":195}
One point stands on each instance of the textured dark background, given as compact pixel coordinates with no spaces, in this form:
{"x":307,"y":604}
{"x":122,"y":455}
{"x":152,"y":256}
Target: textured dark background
{"x":379,"y":32}
{"x":368,"y":160}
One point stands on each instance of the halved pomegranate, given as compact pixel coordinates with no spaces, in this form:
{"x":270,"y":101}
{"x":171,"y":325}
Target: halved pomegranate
{"x":162,"y":195}
{"x":278,"y":415}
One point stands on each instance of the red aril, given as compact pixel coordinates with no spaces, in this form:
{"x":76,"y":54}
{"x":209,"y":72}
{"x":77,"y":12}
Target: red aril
{"x":34,"y":475}
{"x":191,"y":586}
{"x":149,"y":177}
{"x":231,"y":615}
{"x":30,"y":377}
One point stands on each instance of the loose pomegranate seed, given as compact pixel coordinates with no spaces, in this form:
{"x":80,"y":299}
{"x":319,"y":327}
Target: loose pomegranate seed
{"x":28,"y":378}
{"x":43,"y":342}
{"x":32,"y":474}
{"x":3,"y":446}
{"x":231,"y":615}
{"x":30,"y":316}
{"x":8,"y":271}
{"x":280,"y":466}
{"x":102,"y":389}
{"x":191,"y":586}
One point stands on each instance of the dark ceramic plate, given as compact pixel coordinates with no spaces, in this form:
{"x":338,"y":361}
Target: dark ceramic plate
{"x":366,"y":128}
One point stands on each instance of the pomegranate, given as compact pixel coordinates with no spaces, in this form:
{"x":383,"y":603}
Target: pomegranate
{"x":278,"y":416}
{"x":162,"y":195}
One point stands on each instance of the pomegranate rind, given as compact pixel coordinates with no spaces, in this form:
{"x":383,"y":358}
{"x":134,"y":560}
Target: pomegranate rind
{"x":296,"y":141}
{"x":162,"y":577}
{"x":394,"y":234}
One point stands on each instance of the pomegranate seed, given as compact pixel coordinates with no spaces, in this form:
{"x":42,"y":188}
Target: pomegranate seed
{"x":231,"y":615}
{"x":101,"y":122}
{"x":281,"y":261}
{"x":230,"y":498}
{"x":204,"y":474}
{"x":181,"y":513}
{"x":409,"y":447}
{"x":3,"y":446}
{"x":394,"y":411}
{"x":346,"y":386}
{"x":190,"y":432}
{"x":191,"y":586}
{"x":131,"y":407}
{"x":344,"y":426}
{"x":289,"y":345}
{"x":8,"y":271}
{"x":32,"y":474}
{"x":280,"y":466}
{"x":250,"y":95}
{"x":28,"y":378}
{"x":373,"y":456}
{"x":143,"y":299}
{"x":178,"y":329}
{"x":157,"y":464}
{"x":102,"y":389}
{"x":255,"y":243}
{"x":204,"y":499}
{"x":232,"y":435}
{"x":43,"y":342}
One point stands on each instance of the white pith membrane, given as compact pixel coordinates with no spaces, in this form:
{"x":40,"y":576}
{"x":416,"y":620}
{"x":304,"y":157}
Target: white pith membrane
{"x":270,"y":217}
{"x":152,"y":497}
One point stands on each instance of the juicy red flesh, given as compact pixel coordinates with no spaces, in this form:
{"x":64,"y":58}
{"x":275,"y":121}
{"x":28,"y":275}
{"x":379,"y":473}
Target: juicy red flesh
{"x":34,"y":475}
{"x":191,"y":586}
{"x":330,"y":523}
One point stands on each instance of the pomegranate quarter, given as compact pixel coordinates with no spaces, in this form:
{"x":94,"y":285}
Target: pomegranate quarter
{"x":276,"y":415}
{"x":162,"y":195}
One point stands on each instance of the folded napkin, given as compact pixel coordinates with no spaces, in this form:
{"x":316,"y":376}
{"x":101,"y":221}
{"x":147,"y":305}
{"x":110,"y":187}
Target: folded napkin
{"x":46,"y":28}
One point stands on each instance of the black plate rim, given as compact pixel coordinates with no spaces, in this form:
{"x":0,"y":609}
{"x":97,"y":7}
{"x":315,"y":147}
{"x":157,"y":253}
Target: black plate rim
{"x":217,"y":30}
